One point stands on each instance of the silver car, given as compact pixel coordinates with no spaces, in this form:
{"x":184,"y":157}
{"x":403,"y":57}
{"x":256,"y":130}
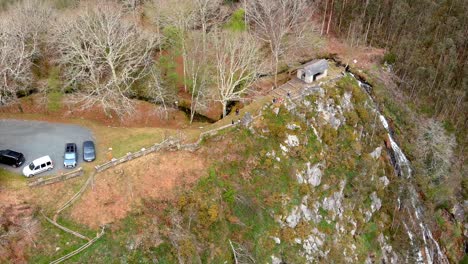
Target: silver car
{"x":89,"y":151}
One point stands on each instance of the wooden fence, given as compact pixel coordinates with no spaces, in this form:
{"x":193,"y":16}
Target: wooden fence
{"x":165,"y":144}
{"x":64,"y":176}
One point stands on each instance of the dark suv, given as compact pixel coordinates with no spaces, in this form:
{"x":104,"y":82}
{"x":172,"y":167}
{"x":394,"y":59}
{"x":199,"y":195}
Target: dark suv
{"x":71,"y":156}
{"x":12,"y":158}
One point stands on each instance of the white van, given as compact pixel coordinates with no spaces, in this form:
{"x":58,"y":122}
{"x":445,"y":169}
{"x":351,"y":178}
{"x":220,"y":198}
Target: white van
{"x":37,"y":166}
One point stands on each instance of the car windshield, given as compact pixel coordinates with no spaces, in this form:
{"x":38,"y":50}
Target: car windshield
{"x":88,"y":150}
{"x":31,"y":166}
{"x":70,"y":156}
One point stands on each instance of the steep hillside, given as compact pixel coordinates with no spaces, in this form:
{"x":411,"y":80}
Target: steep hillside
{"x":210,"y":150}
{"x":310,"y":180}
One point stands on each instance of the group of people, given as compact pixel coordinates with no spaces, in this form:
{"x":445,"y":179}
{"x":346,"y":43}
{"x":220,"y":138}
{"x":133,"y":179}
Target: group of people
{"x":237,"y":114}
{"x":280,"y":100}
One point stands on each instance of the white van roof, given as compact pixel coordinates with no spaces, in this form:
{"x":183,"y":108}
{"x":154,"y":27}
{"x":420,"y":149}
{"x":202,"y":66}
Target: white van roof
{"x":42,"y":160}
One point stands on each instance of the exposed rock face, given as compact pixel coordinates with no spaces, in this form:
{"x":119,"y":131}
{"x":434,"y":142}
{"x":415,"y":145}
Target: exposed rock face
{"x":334,"y":202}
{"x":293,"y":127}
{"x":376,"y":202}
{"x":275,"y":260}
{"x":293,"y":219}
{"x":330,"y":112}
{"x":276,"y":239}
{"x":312,"y":175}
{"x":384,"y":180}
{"x":376,"y":153}
{"x":388,"y":256}
{"x":339,"y":198}
{"x":292,"y":141}
{"x":346,"y":103}
{"x":458,"y":212}
{"x":298,"y":213}
{"x":276,"y":110}
{"x":313,"y":244}
{"x":284,"y":149}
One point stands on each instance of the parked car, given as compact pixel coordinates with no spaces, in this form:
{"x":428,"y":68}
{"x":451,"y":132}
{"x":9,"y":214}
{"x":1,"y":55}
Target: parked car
{"x":37,"y":166}
{"x":89,"y":151}
{"x":71,"y":155}
{"x":12,"y":158}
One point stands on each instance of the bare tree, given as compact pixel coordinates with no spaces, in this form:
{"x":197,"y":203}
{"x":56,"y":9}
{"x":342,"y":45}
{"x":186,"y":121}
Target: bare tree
{"x":197,"y":70}
{"x":436,"y":149}
{"x":274,"y":20}
{"x":180,"y":15}
{"x":21,"y":28}
{"x":160,"y":94}
{"x":103,"y":56}
{"x":240,"y":253}
{"x":131,"y":4}
{"x":206,"y":11}
{"x":237,"y":60}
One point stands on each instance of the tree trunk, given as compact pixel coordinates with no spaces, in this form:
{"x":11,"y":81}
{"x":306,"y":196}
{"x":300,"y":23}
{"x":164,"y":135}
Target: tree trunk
{"x":224,"y":103}
{"x":330,"y":17}
{"x":367,"y":32}
{"x":184,"y":64}
{"x":276,"y":69}
{"x":324,"y":18}
{"x":192,"y":113}
{"x":341,"y":15}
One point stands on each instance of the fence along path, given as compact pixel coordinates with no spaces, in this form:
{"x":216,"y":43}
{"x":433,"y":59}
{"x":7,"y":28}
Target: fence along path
{"x":83,"y":247}
{"x":294,"y":88}
{"x":54,"y":179}
{"x":166,"y":144}
{"x":74,"y":197}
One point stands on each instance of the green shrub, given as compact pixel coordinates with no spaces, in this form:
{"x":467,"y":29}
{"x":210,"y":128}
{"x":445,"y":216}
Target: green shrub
{"x":236,"y":22}
{"x":389,"y":58}
{"x":347,"y":83}
{"x":449,"y":127}
{"x":172,"y":38}
{"x":168,"y":71}
{"x":359,"y":96}
{"x":334,"y":94}
{"x":369,"y":238}
{"x":63,"y":4}
{"x":326,"y":227}
{"x":351,"y":118}
{"x":54,"y":93}
{"x":363,"y":114}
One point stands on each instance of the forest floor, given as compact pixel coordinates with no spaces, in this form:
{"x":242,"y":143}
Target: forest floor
{"x":145,"y":115}
{"x":366,"y":58}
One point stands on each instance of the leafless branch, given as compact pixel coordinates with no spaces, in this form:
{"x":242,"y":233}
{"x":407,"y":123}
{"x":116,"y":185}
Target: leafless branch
{"x":21,"y":28}
{"x":237,"y":60}
{"x":103,"y":55}
{"x":241,"y":254}
{"x":274,"y":20}
{"x":160,"y":94}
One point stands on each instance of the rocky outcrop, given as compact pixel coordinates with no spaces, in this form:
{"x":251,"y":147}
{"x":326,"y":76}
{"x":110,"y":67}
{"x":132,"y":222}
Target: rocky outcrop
{"x":312,"y":175}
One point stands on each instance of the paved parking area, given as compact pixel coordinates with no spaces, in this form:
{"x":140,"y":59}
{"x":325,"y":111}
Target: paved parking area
{"x":36,"y":139}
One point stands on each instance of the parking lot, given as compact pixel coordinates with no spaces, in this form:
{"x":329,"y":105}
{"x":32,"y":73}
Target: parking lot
{"x":36,"y":139}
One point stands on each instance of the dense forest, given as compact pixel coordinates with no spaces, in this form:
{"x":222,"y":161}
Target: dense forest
{"x":426,"y":42}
